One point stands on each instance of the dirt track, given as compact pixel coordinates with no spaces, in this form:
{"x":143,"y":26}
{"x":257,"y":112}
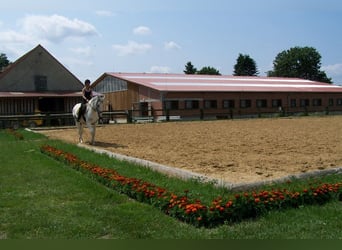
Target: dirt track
{"x":233,"y":150}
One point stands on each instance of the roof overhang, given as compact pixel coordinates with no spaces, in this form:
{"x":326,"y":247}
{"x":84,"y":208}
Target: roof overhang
{"x":41,"y":94}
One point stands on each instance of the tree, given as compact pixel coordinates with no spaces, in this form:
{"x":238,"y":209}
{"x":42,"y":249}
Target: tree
{"x":4,"y":62}
{"x":301,"y":62}
{"x":245,"y":66}
{"x":190,"y":69}
{"x":208,"y":71}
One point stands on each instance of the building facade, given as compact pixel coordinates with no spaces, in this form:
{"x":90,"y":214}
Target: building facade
{"x":210,"y":97}
{"x":38,"y":83}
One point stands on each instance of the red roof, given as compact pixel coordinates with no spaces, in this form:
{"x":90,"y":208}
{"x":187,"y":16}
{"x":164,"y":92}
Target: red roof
{"x":40,"y":94}
{"x":223,"y":83}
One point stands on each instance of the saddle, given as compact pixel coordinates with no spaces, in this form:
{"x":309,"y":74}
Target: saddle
{"x":81,"y":112}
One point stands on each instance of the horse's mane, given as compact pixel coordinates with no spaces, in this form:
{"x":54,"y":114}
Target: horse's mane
{"x":96,"y":100}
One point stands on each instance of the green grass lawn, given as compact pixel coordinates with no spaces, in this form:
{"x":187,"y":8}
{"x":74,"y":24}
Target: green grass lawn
{"x":41,"y":198}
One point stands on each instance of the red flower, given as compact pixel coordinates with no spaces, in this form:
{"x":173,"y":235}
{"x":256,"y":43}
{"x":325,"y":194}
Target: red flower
{"x":185,"y":207}
{"x":229,"y":204}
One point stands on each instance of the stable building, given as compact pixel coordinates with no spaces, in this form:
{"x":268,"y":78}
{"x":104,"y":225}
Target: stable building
{"x":179,"y":96}
{"x":38,"y":83}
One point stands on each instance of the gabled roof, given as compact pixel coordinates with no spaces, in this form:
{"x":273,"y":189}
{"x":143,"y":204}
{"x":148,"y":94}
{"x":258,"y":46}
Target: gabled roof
{"x":223,"y":83}
{"x":19,"y":76}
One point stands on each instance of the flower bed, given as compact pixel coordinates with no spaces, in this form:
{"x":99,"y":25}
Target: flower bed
{"x":191,"y":210}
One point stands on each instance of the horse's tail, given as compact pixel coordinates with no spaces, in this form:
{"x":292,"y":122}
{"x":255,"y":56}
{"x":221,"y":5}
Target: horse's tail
{"x":76,"y":110}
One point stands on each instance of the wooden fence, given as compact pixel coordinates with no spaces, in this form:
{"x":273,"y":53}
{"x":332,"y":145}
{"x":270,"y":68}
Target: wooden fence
{"x":52,"y":119}
{"x":136,"y":115}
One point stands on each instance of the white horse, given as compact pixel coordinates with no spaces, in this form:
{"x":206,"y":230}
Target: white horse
{"x":90,"y":117}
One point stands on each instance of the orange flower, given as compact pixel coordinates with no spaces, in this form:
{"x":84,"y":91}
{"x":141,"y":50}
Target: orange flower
{"x":186,"y":204}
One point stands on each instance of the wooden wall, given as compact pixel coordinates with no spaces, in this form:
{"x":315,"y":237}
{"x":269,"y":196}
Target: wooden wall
{"x":30,"y":105}
{"x":122,"y":100}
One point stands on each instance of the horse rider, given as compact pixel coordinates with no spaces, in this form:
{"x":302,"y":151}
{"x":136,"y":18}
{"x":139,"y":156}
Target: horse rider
{"x":87,"y":94}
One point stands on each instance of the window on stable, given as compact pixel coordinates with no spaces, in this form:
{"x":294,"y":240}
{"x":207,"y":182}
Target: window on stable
{"x":261,"y":103}
{"x":210,"y":104}
{"x":245,"y":103}
{"x":192,"y":104}
{"x":227,"y":104}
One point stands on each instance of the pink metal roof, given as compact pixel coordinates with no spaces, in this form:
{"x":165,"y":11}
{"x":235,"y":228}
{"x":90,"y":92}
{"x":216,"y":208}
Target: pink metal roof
{"x":213,"y":83}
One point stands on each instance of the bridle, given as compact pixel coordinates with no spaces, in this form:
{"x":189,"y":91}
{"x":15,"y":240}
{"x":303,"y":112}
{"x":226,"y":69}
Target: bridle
{"x":96,"y":106}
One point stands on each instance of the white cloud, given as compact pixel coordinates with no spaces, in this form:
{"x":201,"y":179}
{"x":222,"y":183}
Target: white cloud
{"x":334,"y":69}
{"x":56,"y":28}
{"x":171,"y":45}
{"x":104,"y":13}
{"x":11,"y":37}
{"x":142,"y":30}
{"x":15,"y":44}
{"x":39,"y":29}
{"x":132,"y":48}
{"x":160,"y":69}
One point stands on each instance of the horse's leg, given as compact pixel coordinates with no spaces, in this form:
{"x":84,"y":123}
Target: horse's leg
{"x":80,"y":132}
{"x":92,"y":128}
{"x":75,"y":111}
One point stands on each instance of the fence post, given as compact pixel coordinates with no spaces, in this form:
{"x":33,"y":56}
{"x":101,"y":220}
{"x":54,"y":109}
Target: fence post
{"x":327,"y":110}
{"x":167,"y":115}
{"x":48,"y":120}
{"x":201,"y":114}
{"x":129,"y":116}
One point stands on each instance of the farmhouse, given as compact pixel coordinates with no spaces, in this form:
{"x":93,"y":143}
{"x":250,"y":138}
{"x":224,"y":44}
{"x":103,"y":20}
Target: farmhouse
{"x":179,"y":96}
{"x":38,"y":83}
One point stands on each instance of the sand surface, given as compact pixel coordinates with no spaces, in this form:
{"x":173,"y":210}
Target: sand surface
{"x":236,"y":151}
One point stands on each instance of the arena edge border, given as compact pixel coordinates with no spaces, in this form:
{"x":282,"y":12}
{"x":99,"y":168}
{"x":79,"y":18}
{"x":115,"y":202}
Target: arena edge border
{"x":185,"y":174}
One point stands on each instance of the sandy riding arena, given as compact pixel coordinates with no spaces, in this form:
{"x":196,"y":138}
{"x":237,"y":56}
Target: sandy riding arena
{"x":236,"y":151}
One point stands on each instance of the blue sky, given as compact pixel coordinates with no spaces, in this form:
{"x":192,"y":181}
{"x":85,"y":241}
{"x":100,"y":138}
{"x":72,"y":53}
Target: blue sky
{"x":92,"y":37}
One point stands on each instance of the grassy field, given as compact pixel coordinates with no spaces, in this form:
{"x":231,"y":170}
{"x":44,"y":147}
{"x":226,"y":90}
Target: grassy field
{"x":41,"y":198}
